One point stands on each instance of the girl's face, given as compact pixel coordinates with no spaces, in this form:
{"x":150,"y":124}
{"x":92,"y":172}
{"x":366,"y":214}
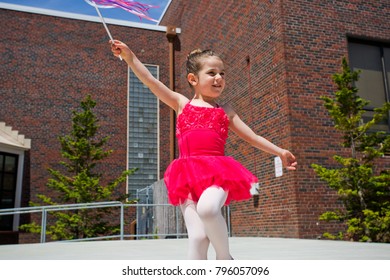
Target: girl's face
{"x":210,"y":80}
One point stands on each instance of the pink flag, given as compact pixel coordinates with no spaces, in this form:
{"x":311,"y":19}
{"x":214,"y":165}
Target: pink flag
{"x":134,"y":7}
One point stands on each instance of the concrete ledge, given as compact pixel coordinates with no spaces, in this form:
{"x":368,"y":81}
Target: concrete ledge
{"x":242,"y":248}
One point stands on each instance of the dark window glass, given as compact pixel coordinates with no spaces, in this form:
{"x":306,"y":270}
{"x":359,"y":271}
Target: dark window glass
{"x":373,"y":60}
{"x":8,"y":175}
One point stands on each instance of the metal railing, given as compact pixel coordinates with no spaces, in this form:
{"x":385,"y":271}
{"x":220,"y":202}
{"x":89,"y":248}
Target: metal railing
{"x":44,"y":210}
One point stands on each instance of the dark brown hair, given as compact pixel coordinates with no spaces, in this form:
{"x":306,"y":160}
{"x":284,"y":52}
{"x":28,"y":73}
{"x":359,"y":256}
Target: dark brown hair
{"x":194,"y":58}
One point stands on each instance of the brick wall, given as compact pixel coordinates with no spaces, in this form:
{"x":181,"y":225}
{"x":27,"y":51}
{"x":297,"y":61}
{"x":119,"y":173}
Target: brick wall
{"x":316,"y":40}
{"x":293,"y":48}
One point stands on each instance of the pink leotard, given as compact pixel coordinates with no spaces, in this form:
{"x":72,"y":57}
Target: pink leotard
{"x":202,"y":134}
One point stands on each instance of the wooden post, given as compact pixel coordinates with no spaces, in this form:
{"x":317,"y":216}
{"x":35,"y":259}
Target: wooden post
{"x":171,"y":35}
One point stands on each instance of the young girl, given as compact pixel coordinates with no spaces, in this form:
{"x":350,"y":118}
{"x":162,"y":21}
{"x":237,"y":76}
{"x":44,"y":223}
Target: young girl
{"x":203,"y":179}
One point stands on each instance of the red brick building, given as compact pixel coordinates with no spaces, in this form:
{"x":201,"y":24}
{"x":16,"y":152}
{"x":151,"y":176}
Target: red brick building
{"x":279,"y":56}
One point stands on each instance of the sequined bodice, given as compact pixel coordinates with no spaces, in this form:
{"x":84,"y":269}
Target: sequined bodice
{"x":202,"y":131}
{"x":195,"y":117}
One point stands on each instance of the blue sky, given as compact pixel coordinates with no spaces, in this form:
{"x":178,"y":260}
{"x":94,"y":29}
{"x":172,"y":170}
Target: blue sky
{"x":81,"y":7}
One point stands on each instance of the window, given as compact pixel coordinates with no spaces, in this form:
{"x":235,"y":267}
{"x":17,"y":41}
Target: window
{"x":373,"y":59}
{"x":143,"y":133}
{"x":8,"y":176}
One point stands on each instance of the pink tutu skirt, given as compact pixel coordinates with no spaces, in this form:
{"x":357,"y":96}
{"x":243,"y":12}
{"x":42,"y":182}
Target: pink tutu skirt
{"x":189,"y":177}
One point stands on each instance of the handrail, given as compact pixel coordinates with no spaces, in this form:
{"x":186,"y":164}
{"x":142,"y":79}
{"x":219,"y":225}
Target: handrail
{"x":33,"y":209}
{"x":44,"y":209}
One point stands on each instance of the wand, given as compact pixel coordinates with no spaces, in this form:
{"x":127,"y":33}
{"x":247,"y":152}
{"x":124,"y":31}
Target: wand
{"x":105,"y":26}
{"x":134,"y":7}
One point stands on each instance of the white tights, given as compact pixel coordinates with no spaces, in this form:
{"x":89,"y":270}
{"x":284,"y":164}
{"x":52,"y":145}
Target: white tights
{"x":206,"y":224}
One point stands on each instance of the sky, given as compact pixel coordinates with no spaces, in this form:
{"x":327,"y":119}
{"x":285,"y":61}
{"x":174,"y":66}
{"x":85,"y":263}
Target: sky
{"x":81,"y":7}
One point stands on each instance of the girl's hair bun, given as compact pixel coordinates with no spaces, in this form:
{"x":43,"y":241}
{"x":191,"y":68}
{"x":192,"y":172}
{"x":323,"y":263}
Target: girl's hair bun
{"x":194,"y":53}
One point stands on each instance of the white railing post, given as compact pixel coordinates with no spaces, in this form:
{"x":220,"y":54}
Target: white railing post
{"x":43,"y":225}
{"x":122,"y":221}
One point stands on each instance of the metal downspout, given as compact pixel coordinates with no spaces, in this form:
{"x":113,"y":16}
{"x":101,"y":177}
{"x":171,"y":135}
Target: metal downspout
{"x":171,"y":35}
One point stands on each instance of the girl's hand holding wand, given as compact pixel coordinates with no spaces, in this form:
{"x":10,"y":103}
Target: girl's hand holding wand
{"x":120,"y":49}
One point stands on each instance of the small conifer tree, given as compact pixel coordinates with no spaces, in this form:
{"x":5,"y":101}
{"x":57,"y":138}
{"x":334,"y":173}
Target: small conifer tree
{"x":361,"y":182}
{"x":82,"y":151}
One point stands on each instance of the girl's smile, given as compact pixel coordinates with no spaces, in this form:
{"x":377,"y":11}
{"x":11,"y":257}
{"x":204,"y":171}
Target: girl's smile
{"x":210,"y":80}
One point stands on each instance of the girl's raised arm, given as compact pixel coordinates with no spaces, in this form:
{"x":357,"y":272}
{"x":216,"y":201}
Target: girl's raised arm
{"x":162,"y":92}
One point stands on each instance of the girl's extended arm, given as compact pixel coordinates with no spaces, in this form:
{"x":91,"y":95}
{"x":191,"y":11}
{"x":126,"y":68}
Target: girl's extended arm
{"x":247,"y":134}
{"x":166,"y":95}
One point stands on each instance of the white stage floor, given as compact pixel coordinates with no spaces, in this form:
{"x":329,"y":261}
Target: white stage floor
{"x":242,"y":248}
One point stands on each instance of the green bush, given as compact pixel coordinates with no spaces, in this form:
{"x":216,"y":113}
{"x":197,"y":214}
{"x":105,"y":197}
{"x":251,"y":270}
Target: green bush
{"x":81,"y":150}
{"x":361,"y":185}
